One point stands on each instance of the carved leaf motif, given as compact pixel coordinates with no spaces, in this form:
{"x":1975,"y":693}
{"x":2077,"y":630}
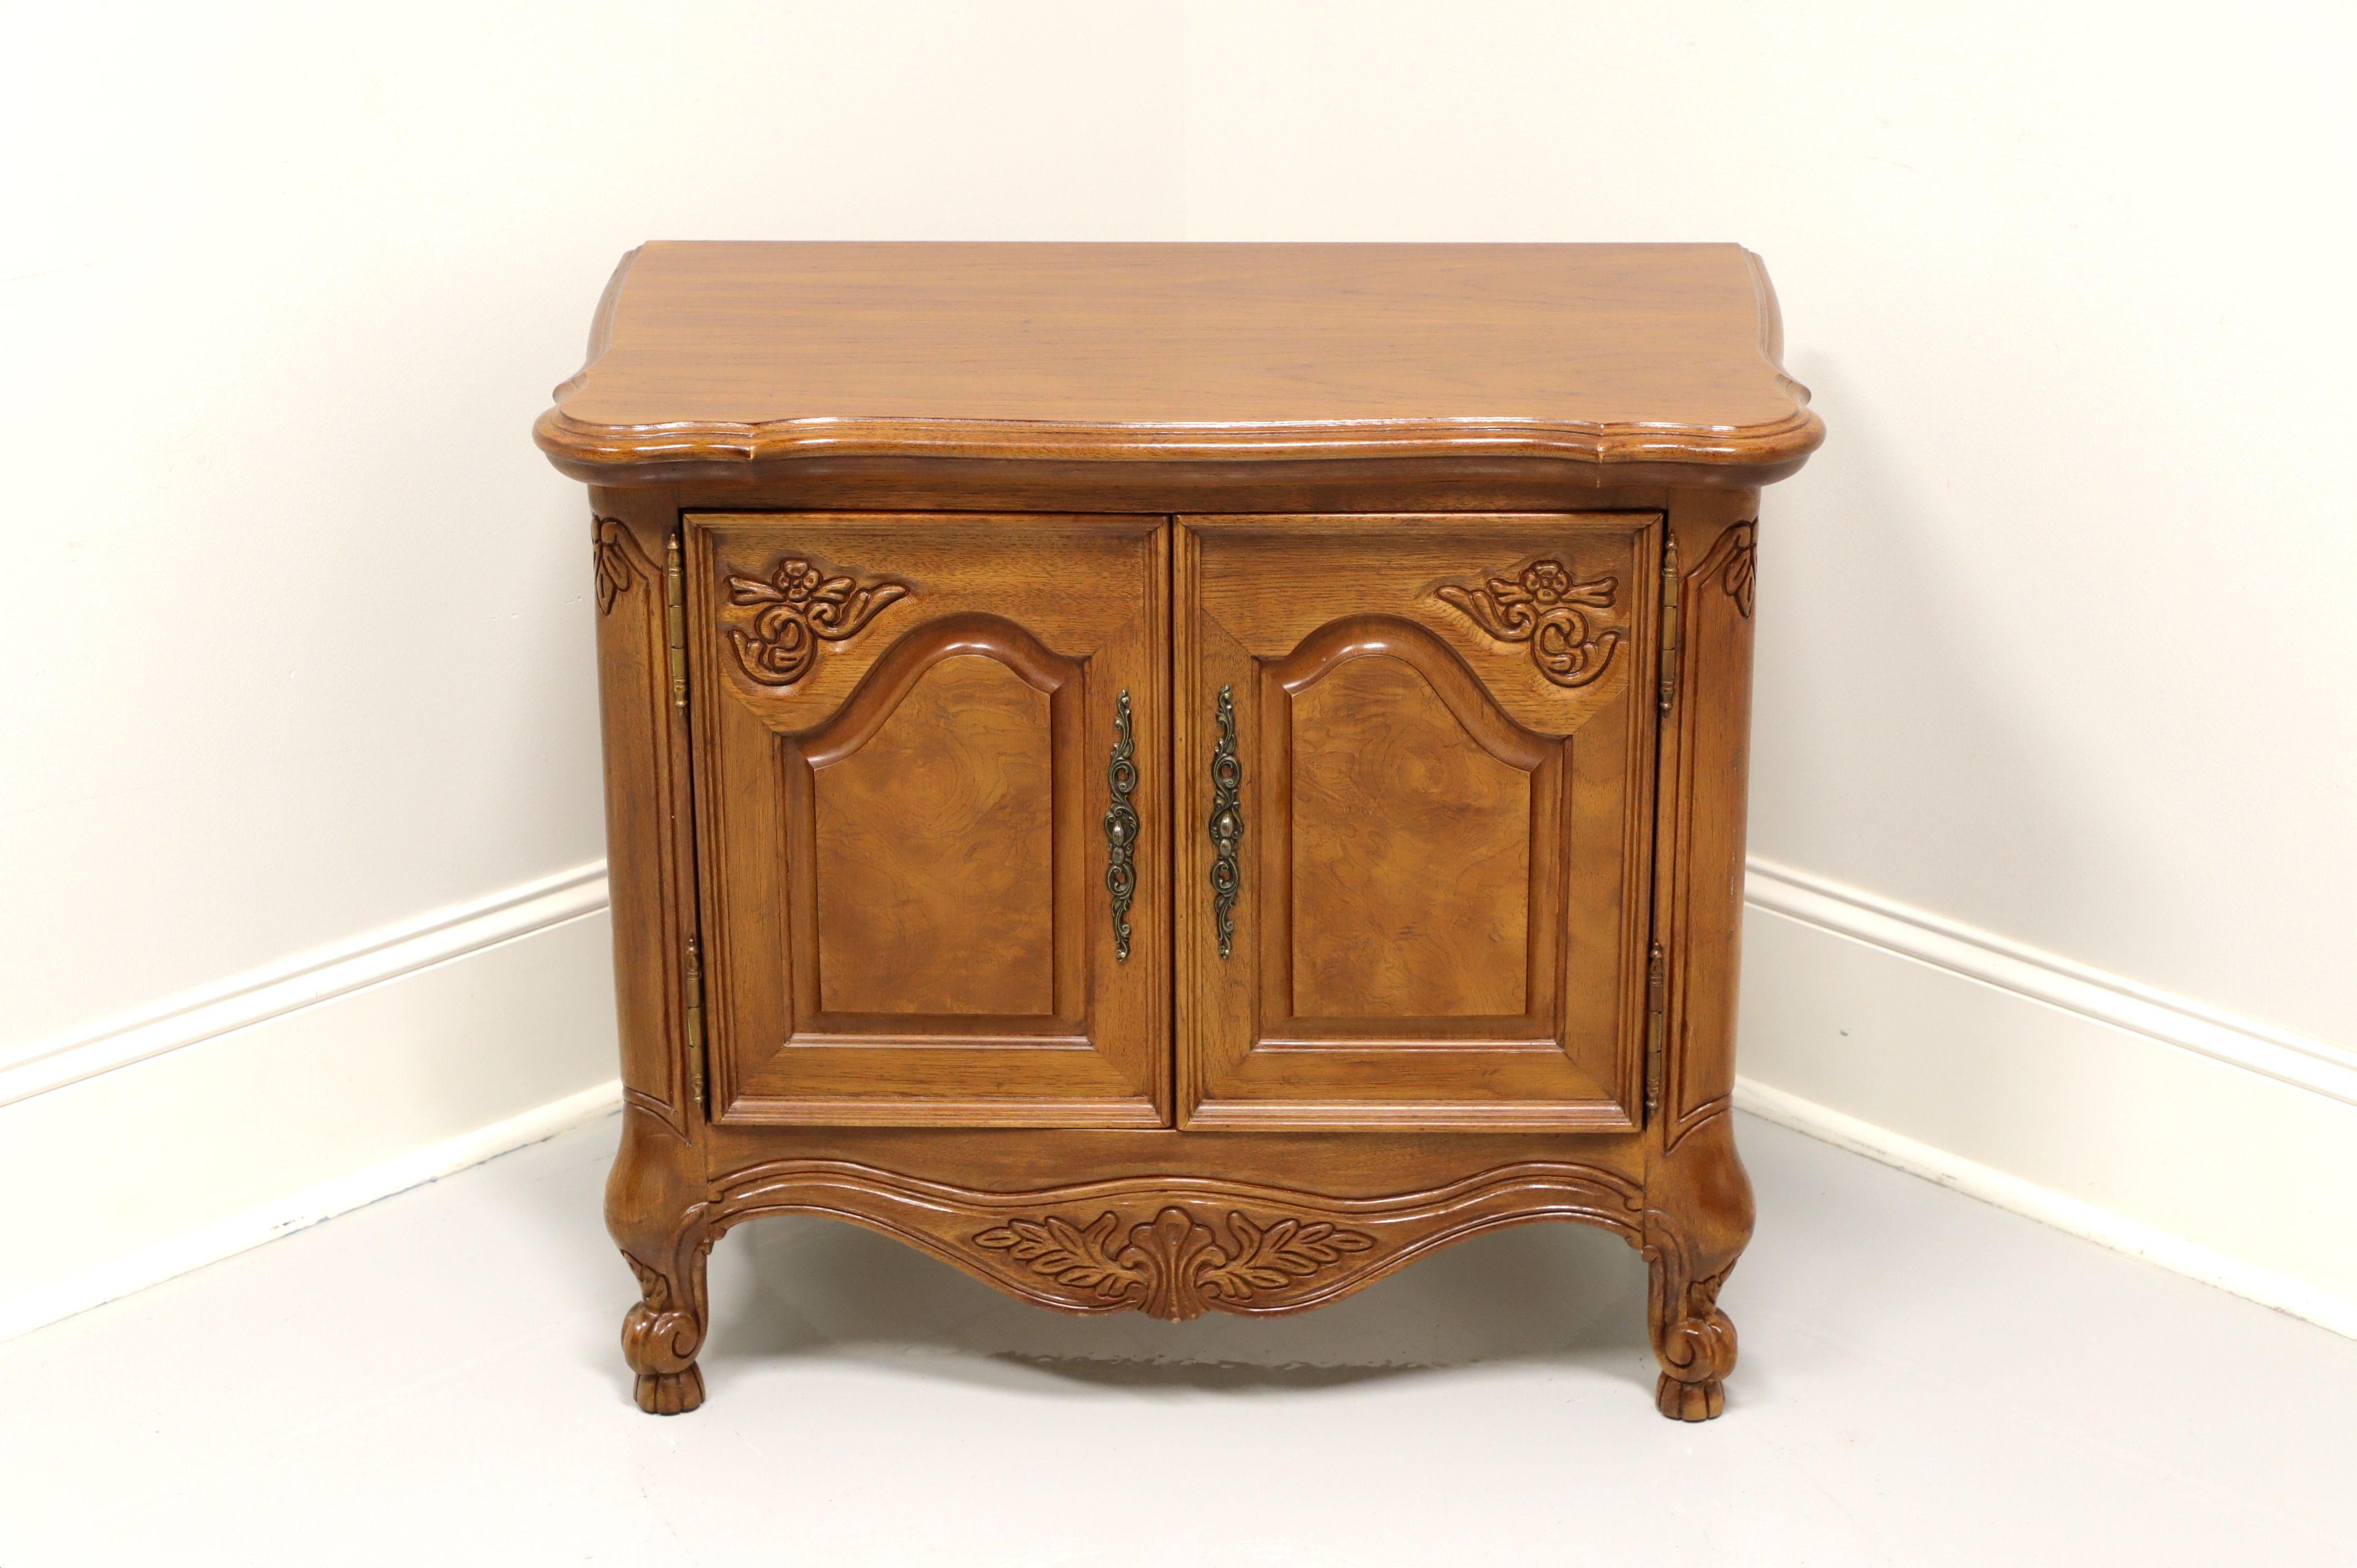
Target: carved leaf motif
{"x":801,"y":606}
{"x":1175,"y":1265}
{"x":1287,"y":1250}
{"x":1741,"y":572}
{"x":1507,"y":619}
{"x":1055,"y":1246}
{"x":751,"y":591}
{"x":1546,"y":607}
{"x":839,"y":617}
{"x":1171,"y":1254}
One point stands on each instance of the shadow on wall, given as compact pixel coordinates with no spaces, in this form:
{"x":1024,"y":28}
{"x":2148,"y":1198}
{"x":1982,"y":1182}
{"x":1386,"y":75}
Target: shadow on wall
{"x":1556,"y":1293}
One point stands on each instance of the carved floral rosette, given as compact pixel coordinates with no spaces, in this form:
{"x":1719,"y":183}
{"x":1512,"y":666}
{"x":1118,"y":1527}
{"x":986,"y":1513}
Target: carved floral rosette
{"x":798,"y":608}
{"x":1544,"y":606}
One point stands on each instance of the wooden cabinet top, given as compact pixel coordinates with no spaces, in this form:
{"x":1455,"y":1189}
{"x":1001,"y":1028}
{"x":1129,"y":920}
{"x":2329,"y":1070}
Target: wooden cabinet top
{"x":1645,"y":362}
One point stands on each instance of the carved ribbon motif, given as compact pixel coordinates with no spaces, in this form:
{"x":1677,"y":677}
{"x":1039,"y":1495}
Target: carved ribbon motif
{"x":1546,"y":609}
{"x":1175,"y":1265}
{"x":800,"y":606}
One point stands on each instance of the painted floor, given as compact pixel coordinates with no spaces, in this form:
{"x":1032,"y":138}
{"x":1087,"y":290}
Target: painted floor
{"x":436,"y":1379}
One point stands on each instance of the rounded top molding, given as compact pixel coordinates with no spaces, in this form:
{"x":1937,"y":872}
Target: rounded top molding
{"x":709,"y":360}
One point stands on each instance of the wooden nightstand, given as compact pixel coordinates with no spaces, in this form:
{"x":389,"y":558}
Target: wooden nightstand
{"x":1178,"y":777}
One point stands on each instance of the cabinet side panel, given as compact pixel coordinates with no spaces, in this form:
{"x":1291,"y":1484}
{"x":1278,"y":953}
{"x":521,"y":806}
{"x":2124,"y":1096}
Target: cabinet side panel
{"x":1711,"y":723}
{"x":645,"y":810}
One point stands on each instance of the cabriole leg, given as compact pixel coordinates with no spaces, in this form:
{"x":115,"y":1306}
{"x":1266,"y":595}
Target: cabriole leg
{"x":1691,"y":1246}
{"x":1692,"y":1339}
{"x":657,"y":1217}
{"x":662,"y":1333}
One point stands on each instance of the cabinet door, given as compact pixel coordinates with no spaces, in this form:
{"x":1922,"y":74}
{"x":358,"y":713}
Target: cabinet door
{"x":1415,"y":775}
{"x":930,"y":763}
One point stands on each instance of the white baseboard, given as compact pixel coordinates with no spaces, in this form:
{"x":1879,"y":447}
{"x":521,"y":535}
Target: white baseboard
{"x":2057,"y":982}
{"x":155,"y":1144}
{"x":303,"y":981}
{"x":209,"y":1244}
{"x":2215,"y":1146}
{"x":2067,"y":1214}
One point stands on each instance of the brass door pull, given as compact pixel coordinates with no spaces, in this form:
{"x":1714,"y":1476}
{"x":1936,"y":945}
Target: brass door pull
{"x":1121,"y":827}
{"x":1227,"y":824}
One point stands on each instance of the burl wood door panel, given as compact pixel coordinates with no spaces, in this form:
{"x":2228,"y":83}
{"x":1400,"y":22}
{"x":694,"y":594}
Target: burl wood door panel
{"x":1414,"y":783}
{"x":906,"y":735}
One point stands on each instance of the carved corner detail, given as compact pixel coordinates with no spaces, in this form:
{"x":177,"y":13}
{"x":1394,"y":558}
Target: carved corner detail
{"x":1742,"y":571}
{"x":615,"y":555}
{"x":800,"y":606}
{"x":1177,"y":1265}
{"x":1546,"y":607}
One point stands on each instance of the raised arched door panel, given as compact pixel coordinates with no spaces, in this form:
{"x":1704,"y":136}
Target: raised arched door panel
{"x":904,"y":733}
{"x":1413,"y":769}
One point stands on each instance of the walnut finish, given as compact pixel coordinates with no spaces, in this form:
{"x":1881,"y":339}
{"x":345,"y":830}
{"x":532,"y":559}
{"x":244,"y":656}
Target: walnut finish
{"x":1179,"y":778}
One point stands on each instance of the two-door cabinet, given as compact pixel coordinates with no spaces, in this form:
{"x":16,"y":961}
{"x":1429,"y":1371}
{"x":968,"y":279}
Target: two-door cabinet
{"x":1178,"y":777}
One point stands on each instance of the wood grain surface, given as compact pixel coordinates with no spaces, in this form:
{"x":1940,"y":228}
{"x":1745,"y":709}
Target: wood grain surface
{"x":713,"y":356}
{"x":1462,"y":540}
{"x":1394,"y":883}
{"x":902,"y":852}
{"x":1411,"y":853}
{"x":937,"y":852}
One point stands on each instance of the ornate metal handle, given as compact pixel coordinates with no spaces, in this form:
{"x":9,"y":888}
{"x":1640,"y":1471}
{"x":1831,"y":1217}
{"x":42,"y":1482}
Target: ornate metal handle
{"x":1121,"y":827}
{"x":1227,"y":824}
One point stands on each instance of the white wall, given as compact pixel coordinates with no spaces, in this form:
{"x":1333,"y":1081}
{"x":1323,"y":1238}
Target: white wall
{"x":2051,"y":632}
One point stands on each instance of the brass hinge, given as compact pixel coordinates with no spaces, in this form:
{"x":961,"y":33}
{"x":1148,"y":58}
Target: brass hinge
{"x":1669,"y":623}
{"x":691,"y":983}
{"x":1657,"y":1013}
{"x":676,"y":620}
